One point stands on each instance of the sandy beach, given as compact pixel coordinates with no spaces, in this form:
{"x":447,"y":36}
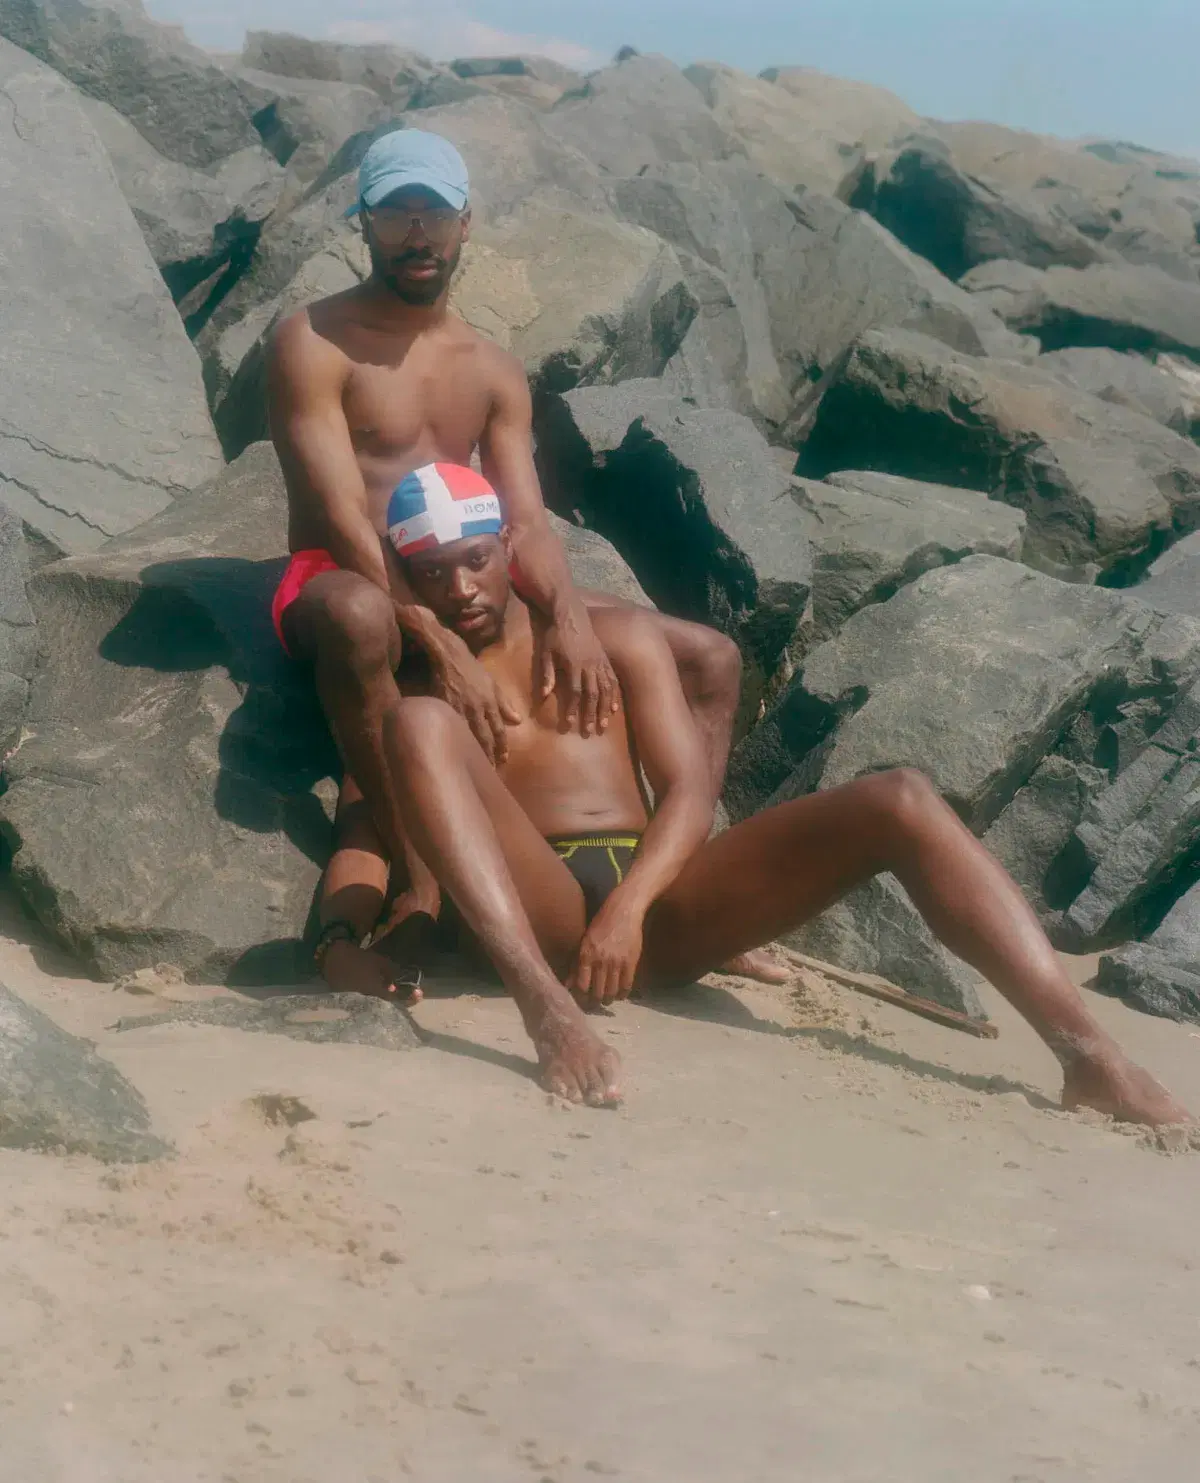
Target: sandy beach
{"x":822,"y":1240}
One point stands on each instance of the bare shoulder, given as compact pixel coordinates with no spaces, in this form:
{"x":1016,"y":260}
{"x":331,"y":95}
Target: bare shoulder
{"x":502,"y":371}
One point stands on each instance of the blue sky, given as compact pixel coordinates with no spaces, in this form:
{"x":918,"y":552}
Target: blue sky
{"x":1118,"y":68}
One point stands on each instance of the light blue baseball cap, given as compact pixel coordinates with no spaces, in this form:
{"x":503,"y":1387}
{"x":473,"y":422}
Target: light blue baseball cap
{"x":411,"y":157}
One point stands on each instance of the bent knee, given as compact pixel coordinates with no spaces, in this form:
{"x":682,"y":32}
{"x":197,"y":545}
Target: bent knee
{"x":902,"y":794}
{"x":417,"y":719}
{"x":356,"y":618}
{"x":712,"y":657}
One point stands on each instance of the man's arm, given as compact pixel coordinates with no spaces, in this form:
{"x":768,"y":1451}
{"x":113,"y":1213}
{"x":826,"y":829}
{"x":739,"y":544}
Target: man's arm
{"x":306,"y":378}
{"x":571,"y":654}
{"x":670,"y":750}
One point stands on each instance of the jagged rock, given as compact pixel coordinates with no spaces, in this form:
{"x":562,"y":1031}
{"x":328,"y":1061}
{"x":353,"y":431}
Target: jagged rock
{"x":1162,"y":975}
{"x":872,"y":534}
{"x":1173,"y":582}
{"x":304,"y":123}
{"x":442,"y":90}
{"x":1152,"y":981}
{"x":876,"y":929}
{"x":1186,"y":375}
{"x":195,"y":222}
{"x":58,"y":1096}
{"x":164,"y":702}
{"x":317,"y":1019}
{"x":1102,"y":486}
{"x":1139,"y":834}
{"x":102,"y":414}
{"x":1128,"y":379}
{"x":958,"y":221}
{"x":392,"y":72}
{"x":596,"y":564}
{"x":1031,"y":838}
{"x":580,"y":299}
{"x":534,"y":80}
{"x":730,"y":357}
{"x":829,"y":274}
{"x":695,"y":502}
{"x":190,"y":109}
{"x":1123,"y":206}
{"x":812,"y":134}
{"x":1122,"y":307}
{"x":971,"y":674}
{"x":639,"y":112}
{"x":18,"y":633}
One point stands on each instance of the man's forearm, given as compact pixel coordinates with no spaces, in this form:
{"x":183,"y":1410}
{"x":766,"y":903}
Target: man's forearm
{"x":544,"y":577}
{"x":679,"y":827}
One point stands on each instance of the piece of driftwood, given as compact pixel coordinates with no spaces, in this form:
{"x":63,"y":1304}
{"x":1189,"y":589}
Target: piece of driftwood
{"x":879,"y":988}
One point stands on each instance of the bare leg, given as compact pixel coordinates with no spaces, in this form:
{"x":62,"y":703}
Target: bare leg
{"x":786,"y":865}
{"x":512,"y":890}
{"x":710,"y":671}
{"x":345,"y":627}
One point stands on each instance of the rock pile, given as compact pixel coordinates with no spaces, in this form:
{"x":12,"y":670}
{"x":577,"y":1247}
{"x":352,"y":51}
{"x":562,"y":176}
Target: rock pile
{"x":915,"y":405}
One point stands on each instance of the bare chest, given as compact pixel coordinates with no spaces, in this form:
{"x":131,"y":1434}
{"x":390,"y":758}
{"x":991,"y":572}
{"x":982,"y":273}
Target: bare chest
{"x":425,"y":408}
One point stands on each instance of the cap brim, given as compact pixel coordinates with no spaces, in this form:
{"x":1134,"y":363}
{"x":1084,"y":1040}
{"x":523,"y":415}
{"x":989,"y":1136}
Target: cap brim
{"x":380,"y":190}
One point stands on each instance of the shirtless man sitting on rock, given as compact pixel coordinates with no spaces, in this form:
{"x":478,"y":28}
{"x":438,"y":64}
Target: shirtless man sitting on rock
{"x":367,"y":386}
{"x":579,"y":892}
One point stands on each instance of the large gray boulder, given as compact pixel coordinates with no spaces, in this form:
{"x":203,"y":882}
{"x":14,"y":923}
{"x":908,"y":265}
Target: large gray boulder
{"x":1138,"y":834}
{"x":1102,"y":485}
{"x":163,"y":701}
{"x":1172,"y":583}
{"x":958,"y":221}
{"x":1128,"y":379}
{"x":58,"y":1096}
{"x":1032,"y":837}
{"x":692,"y":208}
{"x":806,"y":131}
{"x":695,"y":502}
{"x":972,"y":674}
{"x":189,"y":108}
{"x":18,"y":632}
{"x":391,"y":72}
{"x":103,"y":419}
{"x":1122,"y":204}
{"x":829,"y":274}
{"x":1161,"y":975}
{"x":873,"y":533}
{"x":639,"y":112}
{"x":195,"y":222}
{"x":304,"y":123}
{"x":1123,"y":307}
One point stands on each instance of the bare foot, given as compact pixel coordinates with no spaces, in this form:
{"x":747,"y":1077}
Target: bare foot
{"x":354,"y":970}
{"x":577,"y":1065}
{"x":1120,"y":1089}
{"x":760,"y":965}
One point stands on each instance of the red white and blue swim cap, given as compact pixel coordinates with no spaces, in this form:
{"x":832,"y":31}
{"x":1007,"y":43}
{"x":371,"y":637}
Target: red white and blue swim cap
{"x":440,"y":503}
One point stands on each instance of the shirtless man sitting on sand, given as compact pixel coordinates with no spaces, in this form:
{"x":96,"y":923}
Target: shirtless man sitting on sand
{"x":579,"y":893}
{"x":367,"y":386}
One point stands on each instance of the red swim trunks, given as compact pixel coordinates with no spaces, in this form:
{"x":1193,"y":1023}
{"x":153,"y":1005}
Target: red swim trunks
{"x":303,"y":567}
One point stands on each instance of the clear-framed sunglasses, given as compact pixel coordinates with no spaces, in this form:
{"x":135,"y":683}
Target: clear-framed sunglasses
{"x":393,"y":225}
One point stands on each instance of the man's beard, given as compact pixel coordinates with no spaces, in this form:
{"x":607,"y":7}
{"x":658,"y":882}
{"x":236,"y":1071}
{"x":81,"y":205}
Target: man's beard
{"x":419,"y":295}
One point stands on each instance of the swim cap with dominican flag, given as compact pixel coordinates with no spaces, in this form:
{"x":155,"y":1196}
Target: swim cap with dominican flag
{"x":440,"y":503}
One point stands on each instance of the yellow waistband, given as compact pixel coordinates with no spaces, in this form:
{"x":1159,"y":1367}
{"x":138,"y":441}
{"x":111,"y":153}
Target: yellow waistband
{"x":599,"y":841}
